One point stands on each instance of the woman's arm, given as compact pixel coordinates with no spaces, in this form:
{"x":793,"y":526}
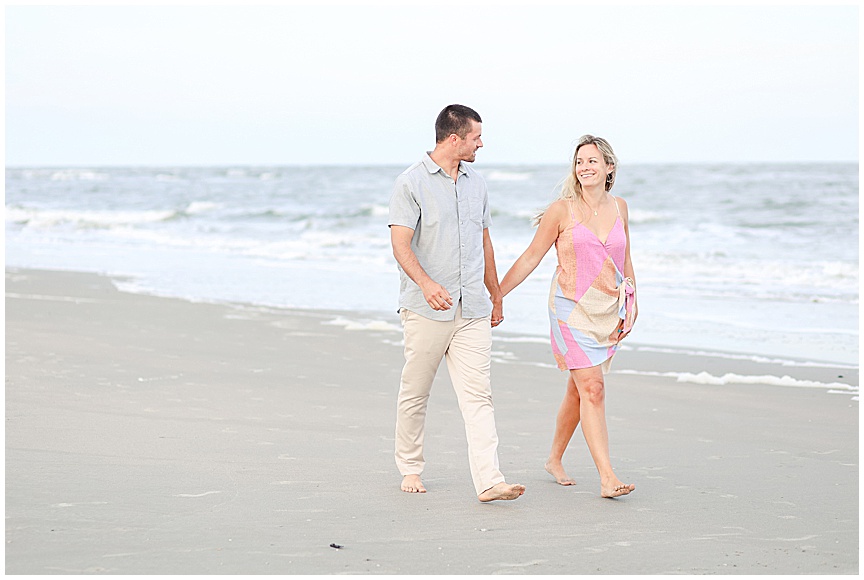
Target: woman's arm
{"x":628,"y":263}
{"x":547,"y":232}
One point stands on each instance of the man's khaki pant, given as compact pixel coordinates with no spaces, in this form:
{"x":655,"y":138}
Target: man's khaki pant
{"x":467,"y":345}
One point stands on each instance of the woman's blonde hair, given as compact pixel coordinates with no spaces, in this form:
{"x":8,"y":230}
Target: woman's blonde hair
{"x":571,"y":189}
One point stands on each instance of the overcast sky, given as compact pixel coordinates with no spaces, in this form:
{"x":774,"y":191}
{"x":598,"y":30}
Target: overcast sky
{"x":292,"y":84}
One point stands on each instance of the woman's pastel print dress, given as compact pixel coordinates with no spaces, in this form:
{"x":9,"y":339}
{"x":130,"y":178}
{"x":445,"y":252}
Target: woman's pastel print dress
{"x":589,"y":295}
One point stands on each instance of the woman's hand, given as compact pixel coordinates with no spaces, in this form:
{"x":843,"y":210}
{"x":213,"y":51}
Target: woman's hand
{"x":619,"y":333}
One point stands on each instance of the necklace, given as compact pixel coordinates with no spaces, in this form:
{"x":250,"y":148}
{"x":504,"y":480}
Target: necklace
{"x":589,"y":207}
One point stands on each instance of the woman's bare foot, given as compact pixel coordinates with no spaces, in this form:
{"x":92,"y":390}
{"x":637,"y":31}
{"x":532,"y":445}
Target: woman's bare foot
{"x":412,"y":484}
{"x":616,"y":488}
{"x":502,"y":491}
{"x":556,"y":470}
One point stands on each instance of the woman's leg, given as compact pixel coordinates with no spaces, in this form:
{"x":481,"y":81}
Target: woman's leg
{"x":565,"y":426}
{"x":592,"y":396}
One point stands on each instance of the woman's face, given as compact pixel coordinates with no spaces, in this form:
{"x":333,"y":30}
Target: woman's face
{"x":591,"y":169}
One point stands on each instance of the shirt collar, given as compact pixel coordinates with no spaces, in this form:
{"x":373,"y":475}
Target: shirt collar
{"x":433,"y":167}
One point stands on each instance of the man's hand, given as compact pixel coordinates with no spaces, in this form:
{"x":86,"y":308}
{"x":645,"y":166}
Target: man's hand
{"x":437,"y":296}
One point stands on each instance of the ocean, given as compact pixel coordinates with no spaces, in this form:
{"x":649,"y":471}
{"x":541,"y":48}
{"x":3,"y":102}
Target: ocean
{"x":755,"y":259}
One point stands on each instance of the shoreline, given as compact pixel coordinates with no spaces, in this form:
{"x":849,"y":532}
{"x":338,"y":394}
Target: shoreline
{"x":679,"y":361}
{"x":817,"y":331}
{"x":757,"y":364}
{"x":156,"y":435}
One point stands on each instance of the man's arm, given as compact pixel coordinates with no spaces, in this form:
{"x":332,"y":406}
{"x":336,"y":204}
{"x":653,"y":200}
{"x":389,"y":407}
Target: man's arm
{"x":490,"y":278}
{"x":435,"y":294}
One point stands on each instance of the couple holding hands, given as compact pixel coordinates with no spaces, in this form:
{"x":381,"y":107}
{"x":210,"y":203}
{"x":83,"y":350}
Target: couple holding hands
{"x":450,"y":299}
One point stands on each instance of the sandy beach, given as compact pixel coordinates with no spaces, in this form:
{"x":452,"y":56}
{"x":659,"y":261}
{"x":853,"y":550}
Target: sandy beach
{"x":149,"y":435}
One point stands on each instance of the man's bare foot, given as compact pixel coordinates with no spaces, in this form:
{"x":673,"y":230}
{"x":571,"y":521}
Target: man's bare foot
{"x":502,"y":491}
{"x":556,"y":470}
{"x":615,"y":489}
{"x":412,"y":484}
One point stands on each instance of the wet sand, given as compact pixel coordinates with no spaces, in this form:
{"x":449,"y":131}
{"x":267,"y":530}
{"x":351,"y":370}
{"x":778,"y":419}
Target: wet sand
{"x":149,"y":435}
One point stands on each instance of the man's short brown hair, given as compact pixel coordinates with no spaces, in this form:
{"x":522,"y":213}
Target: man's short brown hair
{"x":455,"y":119}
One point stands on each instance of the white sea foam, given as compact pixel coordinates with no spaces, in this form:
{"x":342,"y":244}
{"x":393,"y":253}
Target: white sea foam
{"x":197,"y":207}
{"x":643,"y":216}
{"x":73,"y":299}
{"x":379,"y":325}
{"x":748,"y":357}
{"x":380,"y":210}
{"x":531,"y":339}
{"x":196,"y":494}
{"x":46,"y":219}
{"x":705,"y":378}
{"x":79,"y":175}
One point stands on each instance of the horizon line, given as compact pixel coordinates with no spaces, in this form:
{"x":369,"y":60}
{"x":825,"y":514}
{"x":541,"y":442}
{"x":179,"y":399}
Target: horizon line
{"x":390,"y":164}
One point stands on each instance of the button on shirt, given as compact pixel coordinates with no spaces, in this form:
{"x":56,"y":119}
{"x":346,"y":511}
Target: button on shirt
{"x":448,"y":220}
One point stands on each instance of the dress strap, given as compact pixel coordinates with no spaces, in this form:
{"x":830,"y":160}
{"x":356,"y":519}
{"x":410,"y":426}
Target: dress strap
{"x":572,"y":214}
{"x":615,"y":199}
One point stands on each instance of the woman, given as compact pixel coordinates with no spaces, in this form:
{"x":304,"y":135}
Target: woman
{"x":592,"y":303}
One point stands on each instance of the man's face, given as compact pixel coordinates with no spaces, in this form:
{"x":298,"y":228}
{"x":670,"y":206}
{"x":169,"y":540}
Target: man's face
{"x":466,"y":149}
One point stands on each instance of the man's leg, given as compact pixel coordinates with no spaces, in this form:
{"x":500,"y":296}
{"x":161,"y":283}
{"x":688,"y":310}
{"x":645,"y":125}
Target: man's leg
{"x":469,"y":360}
{"x":425,"y":344}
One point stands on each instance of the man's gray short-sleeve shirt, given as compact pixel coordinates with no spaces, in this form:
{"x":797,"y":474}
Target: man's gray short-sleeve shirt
{"x":448,"y":220}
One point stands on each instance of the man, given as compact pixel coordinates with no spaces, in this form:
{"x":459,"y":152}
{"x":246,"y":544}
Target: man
{"x":439,"y":220}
